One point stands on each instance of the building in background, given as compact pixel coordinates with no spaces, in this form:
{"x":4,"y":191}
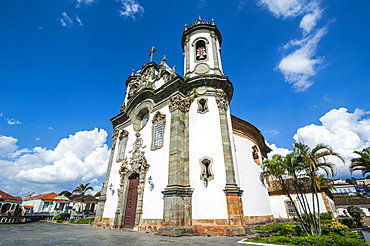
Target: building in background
{"x":46,"y":204}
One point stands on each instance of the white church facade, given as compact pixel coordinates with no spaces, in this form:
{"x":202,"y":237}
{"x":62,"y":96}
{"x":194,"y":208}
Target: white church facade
{"x":180,"y":163}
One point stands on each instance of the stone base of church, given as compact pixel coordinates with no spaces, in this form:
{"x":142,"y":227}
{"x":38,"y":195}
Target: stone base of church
{"x":176,"y":231}
{"x":103,"y":222}
{"x":257,"y":220}
{"x":151,"y":225}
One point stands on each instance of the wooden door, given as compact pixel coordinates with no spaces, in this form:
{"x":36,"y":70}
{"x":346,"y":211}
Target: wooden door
{"x":131,"y":202}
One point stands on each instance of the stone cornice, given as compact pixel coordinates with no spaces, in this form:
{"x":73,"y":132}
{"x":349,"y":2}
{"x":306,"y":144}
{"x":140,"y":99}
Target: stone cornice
{"x":245,"y":129}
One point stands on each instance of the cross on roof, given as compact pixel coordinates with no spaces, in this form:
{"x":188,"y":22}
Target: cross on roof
{"x":151,"y":53}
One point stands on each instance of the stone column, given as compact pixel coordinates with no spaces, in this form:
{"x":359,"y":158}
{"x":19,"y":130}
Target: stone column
{"x":177,"y":212}
{"x":233,"y":193}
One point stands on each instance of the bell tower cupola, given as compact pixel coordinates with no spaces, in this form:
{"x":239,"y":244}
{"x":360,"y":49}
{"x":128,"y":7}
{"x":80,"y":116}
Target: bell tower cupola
{"x":201,"y":43}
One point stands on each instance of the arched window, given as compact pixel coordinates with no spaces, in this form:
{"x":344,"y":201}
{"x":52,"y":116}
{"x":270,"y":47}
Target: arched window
{"x":123,"y":136}
{"x":159,"y":122}
{"x":201,"y":51}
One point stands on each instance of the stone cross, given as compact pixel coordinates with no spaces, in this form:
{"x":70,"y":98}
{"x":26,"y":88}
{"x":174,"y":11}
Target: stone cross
{"x":151,"y":53}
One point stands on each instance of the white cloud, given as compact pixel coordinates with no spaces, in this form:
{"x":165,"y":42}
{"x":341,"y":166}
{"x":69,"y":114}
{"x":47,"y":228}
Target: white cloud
{"x":284,"y":8}
{"x":79,"y":20}
{"x":84,"y":2}
{"x":50,"y":128}
{"x":301,"y":64}
{"x":65,"y":20}
{"x":7,"y":145}
{"x":13,"y":121}
{"x":129,"y":8}
{"x":80,"y":158}
{"x":276,"y":150}
{"x":343,"y":131}
{"x":309,"y":21}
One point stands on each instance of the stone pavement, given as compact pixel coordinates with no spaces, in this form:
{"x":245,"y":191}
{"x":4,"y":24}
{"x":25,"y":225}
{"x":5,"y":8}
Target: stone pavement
{"x":45,"y":233}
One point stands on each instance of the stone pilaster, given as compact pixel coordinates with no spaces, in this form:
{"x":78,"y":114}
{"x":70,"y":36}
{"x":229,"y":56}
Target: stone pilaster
{"x":233,"y":193}
{"x":177,"y":211}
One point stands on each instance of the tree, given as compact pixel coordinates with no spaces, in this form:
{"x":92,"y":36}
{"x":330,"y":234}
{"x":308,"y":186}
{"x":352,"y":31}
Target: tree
{"x":361,"y":163}
{"x":357,"y":215}
{"x":313,"y":161}
{"x":65,"y":193}
{"x":299,"y":172}
{"x":82,"y":189}
{"x":97,"y":194}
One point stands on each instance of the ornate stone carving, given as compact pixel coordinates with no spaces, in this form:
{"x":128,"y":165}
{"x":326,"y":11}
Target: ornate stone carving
{"x":123,"y":134}
{"x":178,"y":102}
{"x":158,"y":116}
{"x":221,"y":100}
{"x":255,"y":154}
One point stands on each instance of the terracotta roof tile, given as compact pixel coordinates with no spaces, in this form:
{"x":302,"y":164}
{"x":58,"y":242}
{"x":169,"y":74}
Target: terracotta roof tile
{"x":51,"y":195}
{"x":9,"y":198}
{"x":353,"y":201}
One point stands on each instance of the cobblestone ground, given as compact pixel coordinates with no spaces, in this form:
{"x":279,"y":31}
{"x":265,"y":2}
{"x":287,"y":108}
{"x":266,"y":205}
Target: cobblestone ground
{"x":45,"y":233}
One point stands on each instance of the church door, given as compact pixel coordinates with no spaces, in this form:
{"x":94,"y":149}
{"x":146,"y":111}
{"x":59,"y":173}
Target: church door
{"x":131,"y":202}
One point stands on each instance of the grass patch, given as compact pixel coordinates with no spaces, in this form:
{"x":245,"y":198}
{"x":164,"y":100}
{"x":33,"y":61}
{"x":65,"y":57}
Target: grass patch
{"x":55,"y":221}
{"x":83,"y":221}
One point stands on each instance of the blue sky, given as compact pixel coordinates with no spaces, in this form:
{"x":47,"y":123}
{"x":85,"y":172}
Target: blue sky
{"x":300,"y":70}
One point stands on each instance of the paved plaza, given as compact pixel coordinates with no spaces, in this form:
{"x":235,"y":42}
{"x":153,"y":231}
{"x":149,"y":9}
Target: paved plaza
{"x":45,"y":233}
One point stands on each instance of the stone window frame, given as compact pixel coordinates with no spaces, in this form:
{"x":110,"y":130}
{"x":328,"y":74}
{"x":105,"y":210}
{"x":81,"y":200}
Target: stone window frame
{"x":194,"y":45}
{"x":123,"y":139}
{"x":200,"y":110}
{"x":157,"y":118}
{"x":288,"y":207}
{"x":136,"y":116}
{"x":203,"y":169}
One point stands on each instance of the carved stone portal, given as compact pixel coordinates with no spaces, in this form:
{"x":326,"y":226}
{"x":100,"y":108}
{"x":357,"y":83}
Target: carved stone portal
{"x":137,"y":165}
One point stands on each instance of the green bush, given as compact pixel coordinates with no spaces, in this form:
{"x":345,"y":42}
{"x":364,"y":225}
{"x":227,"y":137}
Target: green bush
{"x":326,"y":216}
{"x":57,"y":217}
{"x":334,"y":228}
{"x":282,"y":229}
{"x":333,"y":240}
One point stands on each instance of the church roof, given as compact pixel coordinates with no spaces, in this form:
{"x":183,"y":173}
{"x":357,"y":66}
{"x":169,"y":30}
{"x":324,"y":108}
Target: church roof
{"x":245,"y":129}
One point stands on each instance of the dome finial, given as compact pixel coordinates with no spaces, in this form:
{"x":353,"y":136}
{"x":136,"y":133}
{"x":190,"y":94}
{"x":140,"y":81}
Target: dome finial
{"x":199,"y":18}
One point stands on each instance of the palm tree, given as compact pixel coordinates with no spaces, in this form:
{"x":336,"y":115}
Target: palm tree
{"x":82,"y":189}
{"x":361,"y":163}
{"x":313,"y":160}
{"x":65,"y":193}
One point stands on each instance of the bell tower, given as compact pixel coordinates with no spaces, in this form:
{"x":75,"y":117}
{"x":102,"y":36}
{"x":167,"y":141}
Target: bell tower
{"x":201,"y":42}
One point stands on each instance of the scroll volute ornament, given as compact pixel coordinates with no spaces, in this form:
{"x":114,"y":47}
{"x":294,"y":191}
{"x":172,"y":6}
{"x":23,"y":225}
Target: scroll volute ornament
{"x":178,"y":102}
{"x":123,"y":134}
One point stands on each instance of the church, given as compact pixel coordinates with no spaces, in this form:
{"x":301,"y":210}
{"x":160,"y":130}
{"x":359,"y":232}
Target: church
{"x":180,"y":163}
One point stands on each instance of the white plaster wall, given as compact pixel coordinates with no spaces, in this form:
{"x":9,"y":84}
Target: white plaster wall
{"x":255,"y":197}
{"x":158,"y":170}
{"x":37,"y":206}
{"x":205,"y":141}
{"x":279,"y":209}
{"x":114,"y":179}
